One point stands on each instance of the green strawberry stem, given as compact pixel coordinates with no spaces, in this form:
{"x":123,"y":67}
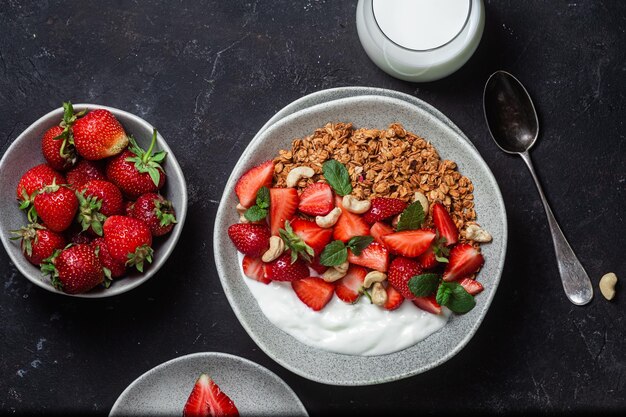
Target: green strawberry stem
{"x":29,"y":236}
{"x":142,"y":253}
{"x":164,"y":212}
{"x":145,"y":161}
{"x":49,"y":269}
{"x":89,"y":213}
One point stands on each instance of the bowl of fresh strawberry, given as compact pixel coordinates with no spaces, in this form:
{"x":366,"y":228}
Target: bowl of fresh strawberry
{"x":102,"y":196}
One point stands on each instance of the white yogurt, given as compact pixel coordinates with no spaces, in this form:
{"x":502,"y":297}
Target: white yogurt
{"x":353,"y":329}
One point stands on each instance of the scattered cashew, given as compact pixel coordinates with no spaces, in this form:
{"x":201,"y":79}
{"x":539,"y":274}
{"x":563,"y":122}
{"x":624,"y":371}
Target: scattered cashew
{"x":241,"y":209}
{"x":607,"y":285}
{"x":336,"y":272}
{"x":277,"y":247}
{"x":379,"y":294}
{"x":297,"y":173}
{"x":242,"y":219}
{"x":395,"y":220}
{"x":354,"y":205}
{"x":475,"y":233}
{"x":328,"y":220}
{"x":372,"y":277}
{"x":422,"y":199}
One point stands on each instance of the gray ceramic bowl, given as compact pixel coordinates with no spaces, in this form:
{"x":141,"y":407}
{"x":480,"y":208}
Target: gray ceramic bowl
{"x":164,"y":390}
{"x":25,"y":152}
{"x":339,"y":369}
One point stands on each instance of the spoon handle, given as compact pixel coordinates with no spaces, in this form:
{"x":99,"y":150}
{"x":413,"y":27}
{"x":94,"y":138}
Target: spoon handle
{"x":576,"y":282}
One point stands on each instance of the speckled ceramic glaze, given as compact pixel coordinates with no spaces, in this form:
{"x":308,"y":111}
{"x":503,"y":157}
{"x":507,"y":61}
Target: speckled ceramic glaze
{"x":338,"y":369}
{"x":25,"y":152}
{"x":163,"y":391}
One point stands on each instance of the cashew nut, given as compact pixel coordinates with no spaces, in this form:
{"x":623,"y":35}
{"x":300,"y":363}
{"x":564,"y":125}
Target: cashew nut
{"x":277,"y":247}
{"x":372,"y":277}
{"x":297,"y":173}
{"x":242,"y":219}
{"x":475,"y":233}
{"x":354,"y":205}
{"x":379,"y":294}
{"x":422,"y":199}
{"x":241,"y":209}
{"x":336,"y":272}
{"x":328,"y":220}
{"x":395,"y":220}
{"x":607,"y":285}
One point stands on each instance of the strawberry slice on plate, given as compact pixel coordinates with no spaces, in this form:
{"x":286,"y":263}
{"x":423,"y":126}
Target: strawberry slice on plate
{"x":444,"y":224}
{"x":283,"y":206}
{"x":428,"y":304}
{"x":250,"y":239}
{"x":313,"y":291}
{"x":464,"y":260}
{"x":316,"y":199}
{"x":380,"y":229}
{"x":401,"y":270}
{"x":252,"y":181}
{"x":471,"y":285}
{"x":313,"y":235}
{"x":375,"y":256}
{"x":207,"y":399}
{"x":349,"y":288}
{"x":282,"y":269}
{"x":253,"y":269}
{"x":383,"y":208}
{"x":394,"y":298}
{"x":409,"y":243}
{"x":349,"y":224}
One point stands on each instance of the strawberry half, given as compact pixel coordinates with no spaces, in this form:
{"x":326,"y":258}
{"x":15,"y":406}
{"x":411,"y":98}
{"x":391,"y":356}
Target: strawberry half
{"x":207,"y":400}
{"x":464,"y":260}
{"x":253,"y":269}
{"x":313,"y":235}
{"x":394,"y":298}
{"x":444,"y":224}
{"x":383,"y":208}
{"x":350,"y":287}
{"x":250,"y":239}
{"x":428,"y":304}
{"x":401,"y":270}
{"x":317,"y":266}
{"x":349,"y":224}
{"x":282,"y":269}
{"x":251,"y":182}
{"x":380,"y":229}
{"x":98,"y":135}
{"x":316,"y":199}
{"x":375,"y":256}
{"x":313,"y":291}
{"x":283,"y":206}
{"x":409,"y":243}
{"x":471,"y":285}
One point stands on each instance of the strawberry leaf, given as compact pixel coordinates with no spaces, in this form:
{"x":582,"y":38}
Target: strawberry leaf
{"x":443,"y":294}
{"x":255,"y":213}
{"x":424,"y":285}
{"x":358,"y":243}
{"x":335,"y":253}
{"x":295,"y":243}
{"x":263,"y":198}
{"x":337,"y":176}
{"x":455,"y":297}
{"x":411,"y":218}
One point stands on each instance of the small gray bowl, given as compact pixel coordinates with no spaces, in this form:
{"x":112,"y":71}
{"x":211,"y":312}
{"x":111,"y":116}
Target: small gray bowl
{"x":25,"y":152}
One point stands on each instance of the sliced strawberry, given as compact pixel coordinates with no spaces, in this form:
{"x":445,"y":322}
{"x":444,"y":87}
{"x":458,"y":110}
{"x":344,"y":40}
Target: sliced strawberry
{"x":250,"y":239}
{"x":313,"y":291}
{"x":428,"y":260}
{"x":401,"y":270}
{"x":380,"y":229}
{"x":253,"y":268}
{"x":282,"y":269}
{"x":444,"y":224}
{"x":283,"y":206}
{"x":394,"y":298}
{"x":348,"y":288}
{"x":383,"y":208}
{"x":375,"y":256}
{"x":428,"y":304}
{"x":316,"y":199}
{"x":409,"y":243}
{"x":464,"y":260}
{"x":471,"y":285}
{"x":317,"y":266}
{"x":313,"y":235}
{"x":349,"y":224}
{"x":207,"y":399}
{"x":250,"y":182}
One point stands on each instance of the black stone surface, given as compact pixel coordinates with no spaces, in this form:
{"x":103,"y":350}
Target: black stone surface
{"x":208,"y":75}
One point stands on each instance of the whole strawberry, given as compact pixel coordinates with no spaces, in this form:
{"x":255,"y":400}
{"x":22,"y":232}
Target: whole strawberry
{"x":401,"y":270}
{"x":98,"y":135}
{"x":136,"y":171}
{"x":156,"y":212}
{"x":112,"y":268}
{"x":129,"y":241}
{"x":38,"y":243}
{"x":250,"y":239}
{"x":34,"y":180}
{"x":85,"y":171}
{"x":75,"y":269}
{"x":56,"y":206}
{"x":57,"y":150}
{"x":98,"y":200}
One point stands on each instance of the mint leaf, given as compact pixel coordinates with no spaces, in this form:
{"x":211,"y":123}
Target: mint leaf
{"x":295,"y":243}
{"x":411,"y":218}
{"x":358,"y":243}
{"x":443,"y":294}
{"x":460,"y":300}
{"x":263,"y":198}
{"x":337,"y":176}
{"x":335,"y":253}
{"x":255,"y":213}
{"x":424,"y":285}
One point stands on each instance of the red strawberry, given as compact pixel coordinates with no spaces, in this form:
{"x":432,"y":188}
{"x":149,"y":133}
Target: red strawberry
{"x":349,"y":224}
{"x":114,"y":269}
{"x":252,"y":181}
{"x":207,"y":400}
{"x":250,"y":239}
{"x":98,"y":200}
{"x":128,"y":240}
{"x":464,"y":260}
{"x":156,"y":211}
{"x":313,"y":235}
{"x":444,"y":224}
{"x":380,"y":229}
{"x":383,"y":208}
{"x":56,"y":206}
{"x":85,"y":171}
{"x":427,"y":259}
{"x":375,"y":256}
{"x":313,"y":291}
{"x":401,"y":270}
{"x":317,"y":266}
{"x":98,"y":135}
{"x":38,"y":243}
{"x":409,"y":243}
{"x":282,"y":269}
{"x":283,"y":206}
{"x":253,"y":268}
{"x":350,"y":287}
{"x":74,"y":270}
{"x":394,"y":298}
{"x":428,"y":304}
{"x":471,"y":285}
{"x":316,"y":199}
{"x":135,"y":171}
{"x":35,"y":179}
{"x":128,"y":207}
{"x":57,"y":149}
{"x":75,"y":234}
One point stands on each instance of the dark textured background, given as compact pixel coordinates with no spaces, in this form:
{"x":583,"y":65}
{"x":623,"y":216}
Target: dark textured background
{"x":208,"y":75}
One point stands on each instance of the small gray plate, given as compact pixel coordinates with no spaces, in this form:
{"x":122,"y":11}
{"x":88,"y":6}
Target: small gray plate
{"x":164,"y":389}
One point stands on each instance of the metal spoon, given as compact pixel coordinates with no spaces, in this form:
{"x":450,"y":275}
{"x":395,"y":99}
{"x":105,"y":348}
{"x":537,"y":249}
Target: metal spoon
{"x":513,"y":124}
